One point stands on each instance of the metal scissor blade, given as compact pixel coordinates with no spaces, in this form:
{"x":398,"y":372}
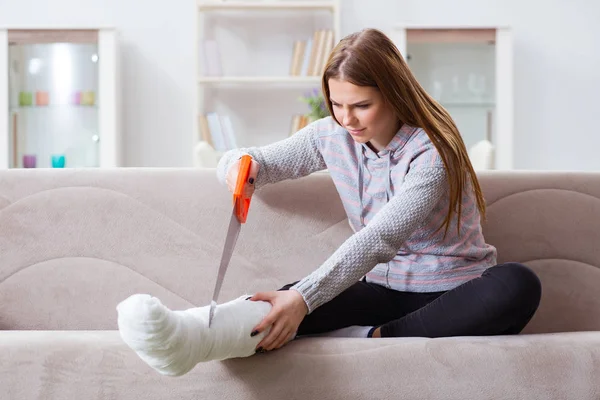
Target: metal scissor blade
{"x":232,"y":235}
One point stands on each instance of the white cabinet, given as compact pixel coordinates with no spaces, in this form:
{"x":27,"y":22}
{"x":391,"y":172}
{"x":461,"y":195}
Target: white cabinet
{"x":58,"y":98}
{"x":469,"y":71}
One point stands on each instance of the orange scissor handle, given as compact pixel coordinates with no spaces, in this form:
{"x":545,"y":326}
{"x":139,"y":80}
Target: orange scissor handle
{"x":240,"y":200}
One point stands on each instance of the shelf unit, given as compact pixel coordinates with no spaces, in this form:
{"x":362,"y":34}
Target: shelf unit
{"x":215,"y":80}
{"x":260,"y":100}
{"x":469,"y":70}
{"x":268,"y":5}
{"x":61,"y":124}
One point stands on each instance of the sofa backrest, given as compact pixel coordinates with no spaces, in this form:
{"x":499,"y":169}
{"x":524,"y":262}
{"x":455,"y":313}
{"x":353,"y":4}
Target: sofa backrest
{"x":74,"y":243}
{"x":550,"y":221}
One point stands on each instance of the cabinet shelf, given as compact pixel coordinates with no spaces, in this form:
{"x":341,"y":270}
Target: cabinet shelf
{"x":467,"y":104}
{"x":259,"y":79}
{"x":266,"y":5}
{"x":52,"y":107}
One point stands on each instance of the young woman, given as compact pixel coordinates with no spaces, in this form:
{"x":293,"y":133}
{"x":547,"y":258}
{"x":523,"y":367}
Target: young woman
{"x":413,"y":199}
{"x":417,"y":264}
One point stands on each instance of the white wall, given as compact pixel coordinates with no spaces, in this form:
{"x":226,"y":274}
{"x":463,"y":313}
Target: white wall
{"x":557,"y":67}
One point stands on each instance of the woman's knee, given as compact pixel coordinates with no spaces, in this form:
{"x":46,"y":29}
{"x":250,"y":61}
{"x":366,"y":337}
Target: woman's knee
{"x":521,"y":281}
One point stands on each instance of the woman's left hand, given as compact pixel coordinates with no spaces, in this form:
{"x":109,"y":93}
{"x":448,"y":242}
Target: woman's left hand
{"x":287,"y":312}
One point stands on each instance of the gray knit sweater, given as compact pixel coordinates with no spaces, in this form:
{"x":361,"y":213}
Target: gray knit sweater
{"x":395,"y":200}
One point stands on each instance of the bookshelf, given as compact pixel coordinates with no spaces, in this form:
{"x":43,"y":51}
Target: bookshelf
{"x":268,"y":5}
{"x":256,"y":58}
{"x":312,"y":80}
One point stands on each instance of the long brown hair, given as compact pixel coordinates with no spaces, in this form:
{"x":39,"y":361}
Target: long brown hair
{"x":370,"y":58}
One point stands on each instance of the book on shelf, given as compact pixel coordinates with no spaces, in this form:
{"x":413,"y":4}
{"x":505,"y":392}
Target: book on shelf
{"x":299,"y":121}
{"x":205,"y":135}
{"x":217,"y":130}
{"x":297,"y":57}
{"x":309,"y":56}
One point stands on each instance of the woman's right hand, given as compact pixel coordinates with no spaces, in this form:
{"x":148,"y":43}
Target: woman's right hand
{"x":232,"y":175}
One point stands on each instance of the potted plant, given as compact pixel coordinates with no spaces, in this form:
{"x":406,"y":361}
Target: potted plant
{"x":316,"y":105}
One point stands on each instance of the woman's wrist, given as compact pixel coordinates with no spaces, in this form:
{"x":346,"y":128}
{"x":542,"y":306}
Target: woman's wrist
{"x":301,"y":304}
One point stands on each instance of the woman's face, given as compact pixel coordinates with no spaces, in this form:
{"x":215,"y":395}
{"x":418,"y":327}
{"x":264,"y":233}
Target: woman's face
{"x":362,"y":111}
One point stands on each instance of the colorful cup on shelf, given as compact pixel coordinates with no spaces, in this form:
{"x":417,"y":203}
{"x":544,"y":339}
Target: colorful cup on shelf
{"x":29,"y":161}
{"x":88,"y":98}
{"x":25,"y":99}
{"x":42,"y":98}
{"x":58,"y":161}
{"x":77,"y":98}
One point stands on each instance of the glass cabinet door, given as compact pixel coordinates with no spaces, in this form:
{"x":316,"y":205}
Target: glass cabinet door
{"x":460,"y":75}
{"x":468,"y":70}
{"x":53,"y":99}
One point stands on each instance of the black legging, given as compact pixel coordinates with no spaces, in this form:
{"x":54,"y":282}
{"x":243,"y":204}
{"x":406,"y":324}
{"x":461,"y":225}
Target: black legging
{"x":500,"y":302}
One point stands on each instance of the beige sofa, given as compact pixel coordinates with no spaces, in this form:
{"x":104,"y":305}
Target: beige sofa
{"x":73,"y":243}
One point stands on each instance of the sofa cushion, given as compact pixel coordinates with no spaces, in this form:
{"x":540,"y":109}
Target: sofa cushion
{"x":89,"y":365}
